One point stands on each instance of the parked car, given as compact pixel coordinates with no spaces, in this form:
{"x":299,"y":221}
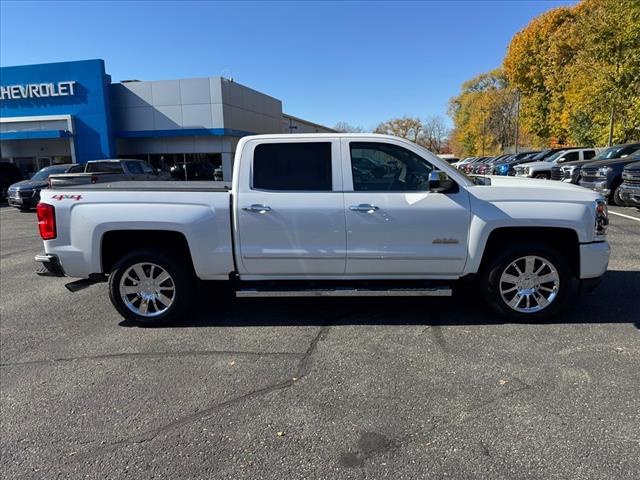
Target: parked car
{"x":109,"y":170}
{"x":630,"y":188}
{"x":296,"y":222}
{"x":543,"y":169}
{"x":570,"y":172}
{"x":506,"y":166}
{"x":25,"y":194}
{"x":605,"y":176}
{"x":468,"y":167}
{"x":486,"y":167}
{"x":9,"y":174}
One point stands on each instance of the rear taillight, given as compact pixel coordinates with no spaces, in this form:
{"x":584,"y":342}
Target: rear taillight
{"x":46,"y":221}
{"x":94,"y":179}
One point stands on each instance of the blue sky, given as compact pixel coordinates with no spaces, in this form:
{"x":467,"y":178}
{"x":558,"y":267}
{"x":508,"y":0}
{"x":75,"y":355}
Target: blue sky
{"x":346,"y":61}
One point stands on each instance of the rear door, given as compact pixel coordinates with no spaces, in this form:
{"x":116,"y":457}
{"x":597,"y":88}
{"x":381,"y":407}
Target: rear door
{"x":395,"y":225}
{"x":290,"y":208}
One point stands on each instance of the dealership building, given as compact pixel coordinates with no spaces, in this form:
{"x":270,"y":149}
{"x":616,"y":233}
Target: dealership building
{"x":71,"y":112}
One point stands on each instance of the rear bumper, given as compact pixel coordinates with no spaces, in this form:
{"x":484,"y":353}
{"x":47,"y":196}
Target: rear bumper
{"x":630,"y":194}
{"x":599,"y":186}
{"x":594,"y":259}
{"x":50,"y":265}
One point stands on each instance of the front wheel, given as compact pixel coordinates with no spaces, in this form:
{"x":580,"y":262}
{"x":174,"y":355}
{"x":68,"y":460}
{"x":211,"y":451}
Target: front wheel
{"x":541,"y":176}
{"x":151,"y":287}
{"x":527,"y":282}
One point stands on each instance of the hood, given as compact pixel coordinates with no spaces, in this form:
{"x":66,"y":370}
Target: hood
{"x":29,"y":184}
{"x":611,"y":161}
{"x":632,"y":166}
{"x":535,"y":164}
{"x":525,"y":189}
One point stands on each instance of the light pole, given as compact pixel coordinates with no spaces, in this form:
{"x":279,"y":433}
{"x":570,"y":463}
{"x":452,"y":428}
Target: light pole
{"x":517,"y":121}
{"x":483,"y":111}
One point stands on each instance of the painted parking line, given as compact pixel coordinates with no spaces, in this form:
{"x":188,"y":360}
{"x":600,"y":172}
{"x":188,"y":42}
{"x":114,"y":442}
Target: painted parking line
{"x":625,"y":216}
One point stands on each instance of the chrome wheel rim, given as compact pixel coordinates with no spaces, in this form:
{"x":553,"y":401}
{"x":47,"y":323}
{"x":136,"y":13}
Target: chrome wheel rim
{"x":147,"y":289}
{"x":529,"y":284}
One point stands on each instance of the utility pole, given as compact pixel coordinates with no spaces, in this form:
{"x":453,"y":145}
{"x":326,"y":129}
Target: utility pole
{"x":611,"y":124}
{"x":484,"y":114}
{"x":517,"y":120}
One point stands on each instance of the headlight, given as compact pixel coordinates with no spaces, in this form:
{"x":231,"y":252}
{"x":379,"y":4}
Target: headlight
{"x":604,"y":171}
{"x":602,"y":218}
{"x":569,"y":169}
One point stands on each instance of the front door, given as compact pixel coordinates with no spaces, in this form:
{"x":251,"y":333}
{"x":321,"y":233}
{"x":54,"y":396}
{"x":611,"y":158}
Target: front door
{"x":290,"y":209}
{"x":395,"y":225}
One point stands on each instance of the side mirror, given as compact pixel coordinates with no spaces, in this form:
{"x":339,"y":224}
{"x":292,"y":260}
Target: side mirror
{"x":434,"y":180}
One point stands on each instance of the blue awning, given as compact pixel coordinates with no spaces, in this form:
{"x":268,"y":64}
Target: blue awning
{"x":35,"y":134}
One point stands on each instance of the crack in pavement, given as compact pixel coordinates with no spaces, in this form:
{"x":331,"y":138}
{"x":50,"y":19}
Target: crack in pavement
{"x":188,"y":353}
{"x":301,"y":371}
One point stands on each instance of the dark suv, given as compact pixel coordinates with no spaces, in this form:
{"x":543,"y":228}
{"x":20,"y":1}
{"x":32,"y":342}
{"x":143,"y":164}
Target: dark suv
{"x":630,"y":188}
{"x":571,"y":171}
{"x":605,"y":176}
{"x":26,"y":194}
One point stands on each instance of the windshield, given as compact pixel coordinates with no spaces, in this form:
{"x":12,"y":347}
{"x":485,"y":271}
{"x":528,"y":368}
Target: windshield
{"x":555,"y":156}
{"x":540,"y":155}
{"x":45,"y":172}
{"x":611,"y":152}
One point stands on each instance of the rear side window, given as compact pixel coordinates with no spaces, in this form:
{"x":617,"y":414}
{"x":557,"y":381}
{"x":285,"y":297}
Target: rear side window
{"x":589,"y":154}
{"x":292,"y":166}
{"x":104,"y":167}
{"x":571,"y":156}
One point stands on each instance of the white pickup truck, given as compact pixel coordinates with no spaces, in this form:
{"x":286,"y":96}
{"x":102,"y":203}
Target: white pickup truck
{"x":328,"y":215}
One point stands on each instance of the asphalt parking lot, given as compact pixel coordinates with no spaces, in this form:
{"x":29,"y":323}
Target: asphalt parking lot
{"x":344,"y":388}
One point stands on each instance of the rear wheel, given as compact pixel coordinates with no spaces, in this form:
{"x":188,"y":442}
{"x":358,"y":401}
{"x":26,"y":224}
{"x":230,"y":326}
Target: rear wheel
{"x":527,"y":282}
{"x":151,"y":287}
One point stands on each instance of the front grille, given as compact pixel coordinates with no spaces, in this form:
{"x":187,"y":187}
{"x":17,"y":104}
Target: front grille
{"x":590,"y":175}
{"x":556,"y":173}
{"x":519,"y":170}
{"x":631,"y":178}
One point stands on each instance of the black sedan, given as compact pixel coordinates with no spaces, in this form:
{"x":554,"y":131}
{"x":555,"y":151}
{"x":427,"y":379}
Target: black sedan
{"x":25,"y":195}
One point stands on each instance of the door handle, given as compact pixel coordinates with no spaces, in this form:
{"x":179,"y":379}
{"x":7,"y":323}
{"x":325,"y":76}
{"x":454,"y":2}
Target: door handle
{"x":257,"y":208}
{"x":364,"y":207}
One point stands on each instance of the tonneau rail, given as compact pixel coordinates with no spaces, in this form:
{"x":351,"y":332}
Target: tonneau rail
{"x":153,"y":186}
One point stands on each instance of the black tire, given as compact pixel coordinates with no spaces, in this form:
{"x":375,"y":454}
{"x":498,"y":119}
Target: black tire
{"x":181,"y":277}
{"x":544,"y":176}
{"x":24,"y":209}
{"x":615,"y":198}
{"x":494,"y":268}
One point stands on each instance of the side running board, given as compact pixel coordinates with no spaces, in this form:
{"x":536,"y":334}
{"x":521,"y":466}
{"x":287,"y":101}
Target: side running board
{"x":346,"y":292}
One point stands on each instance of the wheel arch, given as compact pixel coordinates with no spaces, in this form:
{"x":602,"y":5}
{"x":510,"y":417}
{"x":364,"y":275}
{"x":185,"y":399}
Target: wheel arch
{"x":115,"y":244}
{"x":565,"y":240}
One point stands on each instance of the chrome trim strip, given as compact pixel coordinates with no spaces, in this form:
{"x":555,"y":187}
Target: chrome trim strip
{"x":426,"y":292}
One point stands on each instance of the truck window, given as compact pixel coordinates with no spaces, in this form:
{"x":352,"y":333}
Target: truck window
{"x":104,"y":167}
{"x":292,"y":166}
{"x":589,"y":154}
{"x":383,"y":167}
{"x":571,"y":156}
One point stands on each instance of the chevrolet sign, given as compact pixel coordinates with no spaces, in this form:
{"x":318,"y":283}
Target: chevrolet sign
{"x":37,"y":90}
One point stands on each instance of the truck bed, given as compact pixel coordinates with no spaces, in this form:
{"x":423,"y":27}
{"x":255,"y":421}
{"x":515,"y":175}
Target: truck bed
{"x":152,"y":186}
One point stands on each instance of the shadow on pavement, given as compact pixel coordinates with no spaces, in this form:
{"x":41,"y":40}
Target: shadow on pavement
{"x":614,"y":301}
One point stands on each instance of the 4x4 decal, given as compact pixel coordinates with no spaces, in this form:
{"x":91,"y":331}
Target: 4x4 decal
{"x":63,"y":197}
